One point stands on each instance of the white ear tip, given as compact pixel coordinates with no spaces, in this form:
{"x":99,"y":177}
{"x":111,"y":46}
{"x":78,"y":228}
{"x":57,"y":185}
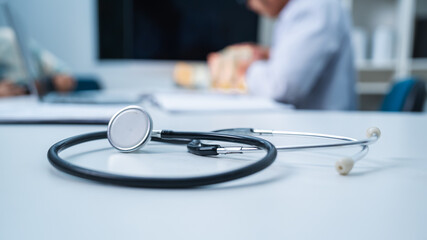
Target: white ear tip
{"x":373,"y":131}
{"x":344,"y":166}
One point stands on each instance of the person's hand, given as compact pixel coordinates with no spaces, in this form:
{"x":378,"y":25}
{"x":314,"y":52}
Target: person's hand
{"x":258,"y":52}
{"x":228,"y":67}
{"x":213,"y":60}
{"x":63,"y":83}
{"x":9,"y":89}
{"x":245,"y":54}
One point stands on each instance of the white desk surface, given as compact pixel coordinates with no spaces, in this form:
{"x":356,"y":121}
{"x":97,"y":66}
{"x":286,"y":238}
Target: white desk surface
{"x":299,"y":197}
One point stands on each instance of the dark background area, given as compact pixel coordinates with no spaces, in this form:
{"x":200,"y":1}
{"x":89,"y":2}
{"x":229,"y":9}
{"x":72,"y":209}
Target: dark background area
{"x":171,"y":29}
{"x":420,"y":38}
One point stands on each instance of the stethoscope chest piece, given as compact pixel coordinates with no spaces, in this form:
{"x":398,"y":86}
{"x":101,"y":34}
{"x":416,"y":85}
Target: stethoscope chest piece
{"x":129,"y":129}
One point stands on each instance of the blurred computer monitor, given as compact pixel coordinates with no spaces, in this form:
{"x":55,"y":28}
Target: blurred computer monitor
{"x":172,"y":29}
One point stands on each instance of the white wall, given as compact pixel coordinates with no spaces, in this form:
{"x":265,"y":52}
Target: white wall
{"x":65,"y":27}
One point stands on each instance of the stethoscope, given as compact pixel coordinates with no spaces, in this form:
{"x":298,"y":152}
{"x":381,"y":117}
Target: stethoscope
{"x":132,"y":127}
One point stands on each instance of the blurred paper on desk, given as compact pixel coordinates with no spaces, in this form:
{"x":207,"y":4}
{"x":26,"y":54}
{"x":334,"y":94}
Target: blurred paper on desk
{"x":46,"y":113}
{"x":214,"y":102}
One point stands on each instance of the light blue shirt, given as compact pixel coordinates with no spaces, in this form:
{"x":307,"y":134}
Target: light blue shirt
{"x":311,"y":61}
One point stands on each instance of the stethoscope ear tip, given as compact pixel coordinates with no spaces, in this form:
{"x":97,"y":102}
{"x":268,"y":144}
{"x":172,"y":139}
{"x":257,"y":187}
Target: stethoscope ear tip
{"x":344,"y":166}
{"x":373,"y":131}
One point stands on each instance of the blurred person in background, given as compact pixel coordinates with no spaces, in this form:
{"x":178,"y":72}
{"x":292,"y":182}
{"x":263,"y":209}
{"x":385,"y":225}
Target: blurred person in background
{"x":310,"y":63}
{"x":13,"y":75}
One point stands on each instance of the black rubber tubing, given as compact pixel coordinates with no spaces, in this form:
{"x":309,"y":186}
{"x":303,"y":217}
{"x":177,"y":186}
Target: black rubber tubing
{"x":157,"y":182}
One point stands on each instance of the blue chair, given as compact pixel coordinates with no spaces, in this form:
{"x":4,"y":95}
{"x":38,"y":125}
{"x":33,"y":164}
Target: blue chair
{"x":408,"y":95}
